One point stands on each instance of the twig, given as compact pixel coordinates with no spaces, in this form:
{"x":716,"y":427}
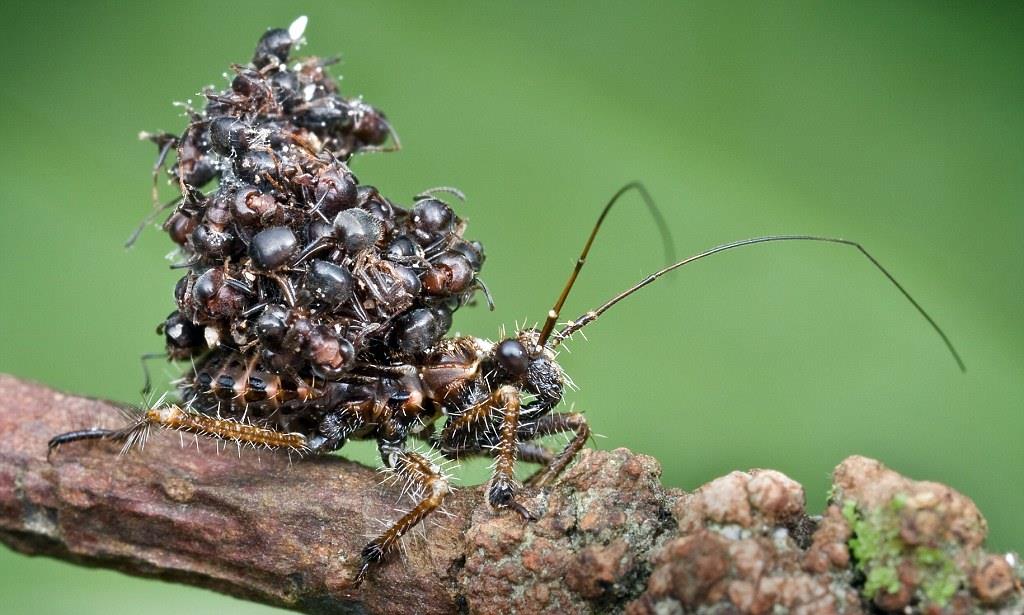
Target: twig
{"x":610,"y":538}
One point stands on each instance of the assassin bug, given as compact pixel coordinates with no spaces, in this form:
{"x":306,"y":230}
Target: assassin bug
{"x":495,"y":399}
{"x":315,"y":311}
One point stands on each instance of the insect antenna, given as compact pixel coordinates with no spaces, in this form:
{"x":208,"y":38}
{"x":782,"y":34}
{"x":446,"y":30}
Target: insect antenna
{"x":666,"y":238}
{"x":592,"y":315}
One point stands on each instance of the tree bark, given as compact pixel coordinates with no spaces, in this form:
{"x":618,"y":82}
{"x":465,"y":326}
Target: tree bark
{"x":288,"y":532}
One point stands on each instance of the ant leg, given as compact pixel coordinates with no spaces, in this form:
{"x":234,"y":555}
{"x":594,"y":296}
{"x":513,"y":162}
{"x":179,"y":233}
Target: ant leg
{"x":553,"y":424}
{"x":147,"y":382}
{"x":419,"y":471}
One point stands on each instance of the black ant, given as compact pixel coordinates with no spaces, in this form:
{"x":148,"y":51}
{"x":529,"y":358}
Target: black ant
{"x":495,"y":399}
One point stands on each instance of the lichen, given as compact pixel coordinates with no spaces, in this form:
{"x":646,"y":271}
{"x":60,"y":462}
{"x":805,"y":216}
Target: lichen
{"x":875,"y":546}
{"x":879,"y":552}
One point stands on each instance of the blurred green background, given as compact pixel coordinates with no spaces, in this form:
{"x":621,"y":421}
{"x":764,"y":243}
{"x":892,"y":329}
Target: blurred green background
{"x":897,"y":124}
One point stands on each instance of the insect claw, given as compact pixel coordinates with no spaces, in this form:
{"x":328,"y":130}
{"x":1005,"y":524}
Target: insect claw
{"x":523,"y":512}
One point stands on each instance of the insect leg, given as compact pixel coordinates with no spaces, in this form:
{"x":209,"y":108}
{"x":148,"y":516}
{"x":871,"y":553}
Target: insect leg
{"x":434,"y":485}
{"x":559,"y":422}
{"x":182,"y":419}
{"x":531,"y":452}
{"x":501,"y":489}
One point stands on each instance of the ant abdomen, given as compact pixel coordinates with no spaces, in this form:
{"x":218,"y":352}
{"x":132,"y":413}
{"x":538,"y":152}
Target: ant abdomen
{"x":230,"y":383}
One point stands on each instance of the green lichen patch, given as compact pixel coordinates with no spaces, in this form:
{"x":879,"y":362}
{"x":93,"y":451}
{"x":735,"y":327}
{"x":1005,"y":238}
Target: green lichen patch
{"x":888,"y":562}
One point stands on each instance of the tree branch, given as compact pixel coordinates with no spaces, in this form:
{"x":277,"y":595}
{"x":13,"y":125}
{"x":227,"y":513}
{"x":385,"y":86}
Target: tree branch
{"x":610,"y":537}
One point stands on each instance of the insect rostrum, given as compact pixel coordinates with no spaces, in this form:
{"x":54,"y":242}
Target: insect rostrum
{"x":314,"y":309}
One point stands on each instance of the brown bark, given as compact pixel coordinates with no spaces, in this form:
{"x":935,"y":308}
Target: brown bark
{"x":609,"y":538}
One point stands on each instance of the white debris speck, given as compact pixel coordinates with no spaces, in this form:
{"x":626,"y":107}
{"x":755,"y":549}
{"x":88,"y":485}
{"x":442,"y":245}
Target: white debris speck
{"x":298,"y":27}
{"x":779,"y":537}
{"x":212,"y":337}
{"x":731,"y":531}
{"x":308,"y":91}
{"x":1011,"y":559}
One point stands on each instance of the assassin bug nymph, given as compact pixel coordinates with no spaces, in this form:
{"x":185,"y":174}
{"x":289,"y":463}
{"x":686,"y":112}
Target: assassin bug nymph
{"x":496,"y":399}
{"x":315,"y":310}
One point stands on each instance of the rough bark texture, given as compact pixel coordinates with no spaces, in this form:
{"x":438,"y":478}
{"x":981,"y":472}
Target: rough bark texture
{"x":610,"y":537}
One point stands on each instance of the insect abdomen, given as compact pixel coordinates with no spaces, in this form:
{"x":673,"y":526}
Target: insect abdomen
{"x":229,"y":382}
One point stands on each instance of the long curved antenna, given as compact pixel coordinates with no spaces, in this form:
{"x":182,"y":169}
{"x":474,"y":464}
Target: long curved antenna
{"x":592,"y":315}
{"x":666,"y":238}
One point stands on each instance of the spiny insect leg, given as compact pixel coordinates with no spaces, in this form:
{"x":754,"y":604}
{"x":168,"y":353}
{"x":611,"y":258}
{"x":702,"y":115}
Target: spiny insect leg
{"x":501,"y":489}
{"x":461,"y":435}
{"x":559,"y":422}
{"x":175,"y":417}
{"x":434,"y":485}
{"x":181,"y":419}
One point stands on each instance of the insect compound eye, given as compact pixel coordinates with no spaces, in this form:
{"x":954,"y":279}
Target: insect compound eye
{"x":229,"y":134}
{"x":273,"y":248}
{"x":432,"y":215}
{"x":512,"y":357}
{"x":329,"y":283}
{"x":273,"y":46}
{"x":272,"y":325}
{"x":356,"y":230}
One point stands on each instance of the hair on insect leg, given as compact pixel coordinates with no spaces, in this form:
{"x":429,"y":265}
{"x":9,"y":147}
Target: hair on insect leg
{"x":434,"y":487}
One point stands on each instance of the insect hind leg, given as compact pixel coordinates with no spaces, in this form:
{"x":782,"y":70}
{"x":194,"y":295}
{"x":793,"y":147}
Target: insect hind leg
{"x":429,"y":478}
{"x":174,"y":417}
{"x":74,"y":436}
{"x":551,"y":424}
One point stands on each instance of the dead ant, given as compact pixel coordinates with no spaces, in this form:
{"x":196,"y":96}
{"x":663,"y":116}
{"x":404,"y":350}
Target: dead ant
{"x":496,"y":398}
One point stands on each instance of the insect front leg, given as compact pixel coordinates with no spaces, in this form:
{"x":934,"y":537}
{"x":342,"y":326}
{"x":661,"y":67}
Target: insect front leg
{"x":551,"y":424}
{"x":501,"y":489}
{"x":432,"y":483}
